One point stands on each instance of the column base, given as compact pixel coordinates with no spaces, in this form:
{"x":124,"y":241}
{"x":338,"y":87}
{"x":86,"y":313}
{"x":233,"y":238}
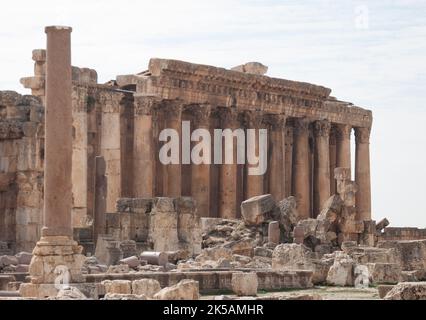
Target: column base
{"x":56,"y":260}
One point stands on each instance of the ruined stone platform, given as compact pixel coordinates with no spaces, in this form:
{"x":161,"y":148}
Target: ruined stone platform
{"x":212,"y":281}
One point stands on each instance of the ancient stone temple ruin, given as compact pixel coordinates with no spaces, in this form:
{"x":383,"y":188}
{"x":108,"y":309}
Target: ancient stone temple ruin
{"x":80,"y":174}
{"x":116,"y":143}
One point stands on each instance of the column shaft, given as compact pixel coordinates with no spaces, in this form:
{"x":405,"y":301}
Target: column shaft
{"x":362,"y":173}
{"x":276,"y":170}
{"x":143,"y":149}
{"x":254,"y":183}
{"x":228,"y":173}
{"x":343,"y":145}
{"x":332,"y":153}
{"x":200,"y":173}
{"x":322,"y":165}
{"x":58,"y":134}
{"x":173,"y":174}
{"x":301,"y":167}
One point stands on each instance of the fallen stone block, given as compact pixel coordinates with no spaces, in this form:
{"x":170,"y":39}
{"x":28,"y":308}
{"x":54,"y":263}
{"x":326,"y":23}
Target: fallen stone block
{"x":146,"y":287}
{"x":291,"y":256}
{"x":117,"y":296}
{"x":255,"y":210}
{"x":24,"y":257}
{"x":244,"y":284}
{"x":341,"y":272}
{"x":407,"y":291}
{"x":117,"y":286}
{"x":184,"y":290}
{"x":133,"y":262}
{"x":384,"y":272}
{"x":122,"y":268}
{"x":70,"y":293}
{"x":8,"y":261}
{"x":5,"y":280}
{"x":384,"y":289}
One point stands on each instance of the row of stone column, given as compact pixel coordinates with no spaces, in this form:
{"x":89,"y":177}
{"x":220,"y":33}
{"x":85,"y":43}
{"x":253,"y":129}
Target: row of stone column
{"x":302,"y":166}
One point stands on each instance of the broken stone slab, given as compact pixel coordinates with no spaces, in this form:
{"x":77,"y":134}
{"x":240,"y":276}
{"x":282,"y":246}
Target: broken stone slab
{"x":341,"y":272}
{"x":413,"y":276}
{"x":411,"y":254}
{"x":117,"y":286}
{"x":384,"y":289}
{"x":274,"y":233}
{"x":122,"y":268}
{"x":155,"y":258}
{"x":263,"y":252}
{"x":146,"y":287}
{"x":252,"y":68}
{"x":255,"y":210}
{"x":332,"y":209}
{"x":118,"y":296}
{"x":133,"y":262}
{"x":384,"y":272}
{"x":8,"y":260}
{"x":244,"y":283}
{"x":407,"y":291}
{"x":291,"y":256}
{"x":288,"y":217}
{"x":24,"y":257}
{"x":70,"y":293}
{"x":184,"y":290}
{"x":5,"y":280}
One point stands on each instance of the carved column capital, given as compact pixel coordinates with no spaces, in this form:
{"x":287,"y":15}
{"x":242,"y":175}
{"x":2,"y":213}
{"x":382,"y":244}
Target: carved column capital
{"x":322,"y":128}
{"x":144,"y":106}
{"x":200,"y":113}
{"x":301,"y":126}
{"x":253,"y":119}
{"x":343,"y":132}
{"x":173,"y":110}
{"x":229,"y":117}
{"x":275,"y":121}
{"x":362,"y":135}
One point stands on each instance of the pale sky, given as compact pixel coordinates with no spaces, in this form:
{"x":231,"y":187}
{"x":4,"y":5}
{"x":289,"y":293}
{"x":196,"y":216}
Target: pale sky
{"x":372,"y":53}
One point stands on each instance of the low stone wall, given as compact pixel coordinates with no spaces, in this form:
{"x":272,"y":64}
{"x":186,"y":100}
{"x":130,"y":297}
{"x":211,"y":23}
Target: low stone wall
{"x":403,"y":234}
{"x":213,"y":281}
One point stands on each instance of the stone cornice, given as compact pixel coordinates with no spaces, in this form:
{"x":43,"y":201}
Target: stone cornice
{"x":193,"y":83}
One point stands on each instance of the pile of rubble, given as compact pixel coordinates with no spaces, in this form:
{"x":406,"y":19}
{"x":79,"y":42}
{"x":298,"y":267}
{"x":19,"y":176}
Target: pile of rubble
{"x":15,"y":264}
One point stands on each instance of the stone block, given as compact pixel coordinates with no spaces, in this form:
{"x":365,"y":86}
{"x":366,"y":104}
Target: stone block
{"x":184,"y":290}
{"x":384,"y":289}
{"x":274,"y":232}
{"x":407,"y":291}
{"x":133,"y":262}
{"x":244,"y":284}
{"x":384,"y":272}
{"x":147,"y":287}
{"x":254,"y":211}
{"x":118,"y":286}
{"x":341,"y":272}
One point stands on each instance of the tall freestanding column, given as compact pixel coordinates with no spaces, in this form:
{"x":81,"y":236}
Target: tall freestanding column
{"x":322,"y":165}
{"x":301,"y":179}
{"x":343,"y":145}
{"x":58,"y":134}
{"x":362,"y":173}
{"x":56,"y":258}
{"x":277,"y":154}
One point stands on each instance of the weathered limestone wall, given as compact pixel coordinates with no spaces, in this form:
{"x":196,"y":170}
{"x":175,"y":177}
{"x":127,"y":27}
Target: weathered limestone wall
{"x":21,"y":169}
{"x":160,"y":224}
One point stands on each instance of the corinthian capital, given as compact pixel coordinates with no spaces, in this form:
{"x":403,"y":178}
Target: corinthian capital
{"x":322,"y":128}
{"x":343,"y":131}
{"x":301,"y":125}
{"x":275,"y":121}
{"x":362,"y":135}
